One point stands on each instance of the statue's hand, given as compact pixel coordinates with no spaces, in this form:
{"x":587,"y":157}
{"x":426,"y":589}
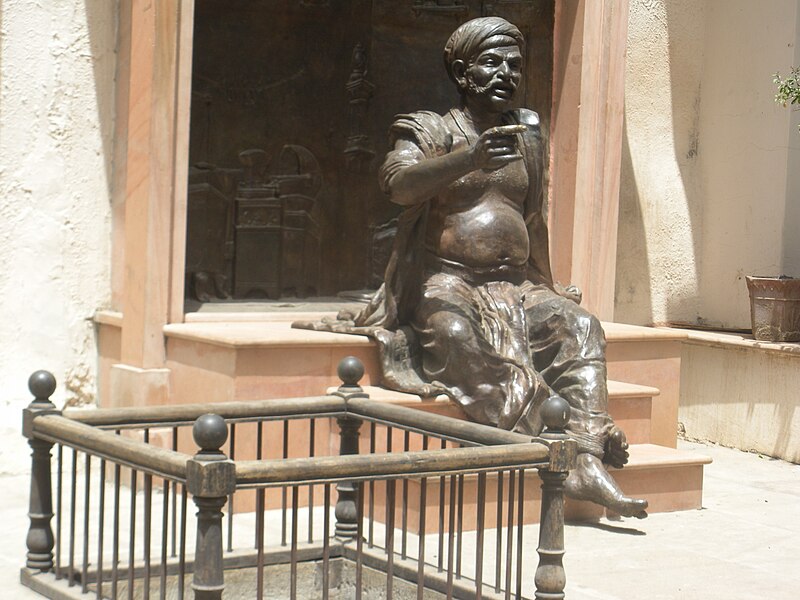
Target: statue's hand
{"x":571,"y":292}
{"x":496,"y":147}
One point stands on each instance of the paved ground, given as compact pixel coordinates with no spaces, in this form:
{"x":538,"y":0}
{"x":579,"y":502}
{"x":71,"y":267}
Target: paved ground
{"x":742,"y":545}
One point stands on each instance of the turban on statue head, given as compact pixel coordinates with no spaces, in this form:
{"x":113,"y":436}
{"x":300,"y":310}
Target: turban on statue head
{"x":475,"y":36}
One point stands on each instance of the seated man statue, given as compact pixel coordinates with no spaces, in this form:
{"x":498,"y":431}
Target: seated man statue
{"x":469,"y":307}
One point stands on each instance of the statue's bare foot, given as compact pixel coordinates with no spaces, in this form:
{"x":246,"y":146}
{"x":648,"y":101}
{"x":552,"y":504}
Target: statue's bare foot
{"x":616,"y":448}
{"x":591,"y":481}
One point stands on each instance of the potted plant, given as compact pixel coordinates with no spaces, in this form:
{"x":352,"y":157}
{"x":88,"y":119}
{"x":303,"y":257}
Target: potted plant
{"x":775,"y":301}
{"x":788,"y":88}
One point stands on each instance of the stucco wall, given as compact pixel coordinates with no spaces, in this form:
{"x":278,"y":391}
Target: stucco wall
{"x":56,"y":113}
{"x":711,"y":165}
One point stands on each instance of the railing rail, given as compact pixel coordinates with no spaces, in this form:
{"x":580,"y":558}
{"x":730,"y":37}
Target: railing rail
{"x":187,"y":414}
{"x":408,"y":474}
{"x":118,"y":449}
{"x":396,"y":465}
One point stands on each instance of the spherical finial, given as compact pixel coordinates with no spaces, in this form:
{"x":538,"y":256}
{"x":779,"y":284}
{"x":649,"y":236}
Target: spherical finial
{"x":350,"y":371}
{"x":42,"y":384}
{"x":555,"y":413}
{"x":210,"y":432}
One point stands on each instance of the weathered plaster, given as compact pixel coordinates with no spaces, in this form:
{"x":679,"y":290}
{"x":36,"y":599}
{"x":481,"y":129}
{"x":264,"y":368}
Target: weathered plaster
{"x":57,"y":63}
{"x":660,"y":213}
{"x":710,"y":175}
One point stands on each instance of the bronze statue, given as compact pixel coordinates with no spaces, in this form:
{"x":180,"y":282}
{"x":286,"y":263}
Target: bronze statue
{"x":469,"y":306}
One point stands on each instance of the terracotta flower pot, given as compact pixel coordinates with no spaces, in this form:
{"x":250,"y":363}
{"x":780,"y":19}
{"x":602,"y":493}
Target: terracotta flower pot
{"x":775,"y":308}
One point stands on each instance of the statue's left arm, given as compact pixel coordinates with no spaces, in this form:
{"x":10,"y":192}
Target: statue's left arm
{"x":539,"y":260}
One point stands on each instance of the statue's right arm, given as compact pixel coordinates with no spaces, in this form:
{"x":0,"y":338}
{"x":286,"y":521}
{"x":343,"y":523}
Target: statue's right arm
{"x":411,"y":177}
{"x":420,"y":178}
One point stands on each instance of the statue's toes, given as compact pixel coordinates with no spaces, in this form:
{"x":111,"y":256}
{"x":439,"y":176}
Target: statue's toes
{"x":617,"y":460}
{"x":630,"y":507}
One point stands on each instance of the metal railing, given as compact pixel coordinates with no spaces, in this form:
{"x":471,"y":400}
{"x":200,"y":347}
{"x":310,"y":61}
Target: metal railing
{"x":327,"y":497}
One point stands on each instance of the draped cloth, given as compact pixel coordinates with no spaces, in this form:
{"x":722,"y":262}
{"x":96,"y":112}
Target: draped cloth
{"x":497,"y":348}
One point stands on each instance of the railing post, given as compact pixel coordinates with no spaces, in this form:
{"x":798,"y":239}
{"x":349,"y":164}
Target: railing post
{"x":550,"y":578}
{"x":40,"y":540}
{"x":350,"y":371}
{"x":210,"y":478}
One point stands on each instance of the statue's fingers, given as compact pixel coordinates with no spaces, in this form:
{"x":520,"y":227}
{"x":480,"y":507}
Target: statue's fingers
{"x":505,"y":130}
{"x":502,"y":131}
{"x":500,"y":150}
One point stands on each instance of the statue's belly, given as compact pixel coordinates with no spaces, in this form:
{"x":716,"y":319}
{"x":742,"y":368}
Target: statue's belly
{"x":489,"y":234}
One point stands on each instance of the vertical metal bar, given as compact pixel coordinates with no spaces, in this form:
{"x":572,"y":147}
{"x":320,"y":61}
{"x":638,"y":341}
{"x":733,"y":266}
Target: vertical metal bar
{"x":86,"y":502}
{"x":520,"y":517}
{"x":423,"y":509}
{"x":388,"y":536}
{"x":442,"y":482}
{"x":359,"y":541}
{"x":404,"y":532}
{"x":148,"y":525}
{"x":115,"y":542}
{"x":390,"y":508}
{"x":371,"y":529}
{"x":512,"y":478}
{"x":451,"y":526}
{"x":480,"y":527}
{"x":260,"y":508}
{"x":72,"y":510}
{"x":326,"y":545}
{"x":283,"y":489}
{"x":132,"y":540}
{"x":164,"y":539}
{"x":460,"y":526}
{"x":101,"y":526}
{"x":260,"y":543}
{"x":148,"y":532}
{"x":293,"y":555}
{"x":174,"y":528}
{"x":499,"y":538}
{"x":182,"y":552}
{"x":231,"y":510}
{"x":59,"y":508}
{"x":312,"y":427}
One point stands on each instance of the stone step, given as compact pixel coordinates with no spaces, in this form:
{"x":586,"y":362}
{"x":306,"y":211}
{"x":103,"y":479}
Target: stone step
{"x":669,"y":479}
{"x":242,"y":357}
{"x":247,"y":360}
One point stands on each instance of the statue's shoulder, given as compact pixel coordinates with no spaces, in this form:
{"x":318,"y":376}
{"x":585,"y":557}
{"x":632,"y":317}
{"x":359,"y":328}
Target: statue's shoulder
{"x":527,"y":117}
{"x":428,"y":129}
{"x":533,"y":130}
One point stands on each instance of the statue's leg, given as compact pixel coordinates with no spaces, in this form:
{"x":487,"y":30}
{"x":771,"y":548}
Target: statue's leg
{"x":568,"y":346}
{"x":488,"y":379}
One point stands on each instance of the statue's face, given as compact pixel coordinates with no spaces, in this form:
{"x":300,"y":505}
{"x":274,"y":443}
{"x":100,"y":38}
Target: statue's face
{"x":492,"y":78}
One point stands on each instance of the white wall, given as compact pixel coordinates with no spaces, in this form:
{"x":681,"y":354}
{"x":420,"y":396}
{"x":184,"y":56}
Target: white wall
{"x":56,"y":114}
{"x":710,"y":176}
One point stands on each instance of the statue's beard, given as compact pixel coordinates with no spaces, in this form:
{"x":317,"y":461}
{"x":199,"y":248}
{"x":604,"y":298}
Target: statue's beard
{"x":473,"y":89}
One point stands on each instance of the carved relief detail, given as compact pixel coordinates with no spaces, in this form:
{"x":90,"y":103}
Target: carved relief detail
{"x":439,"y":6}
{"x":359,"y":151}
{"x":277,"y":237}
{"x":495,"y":7}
